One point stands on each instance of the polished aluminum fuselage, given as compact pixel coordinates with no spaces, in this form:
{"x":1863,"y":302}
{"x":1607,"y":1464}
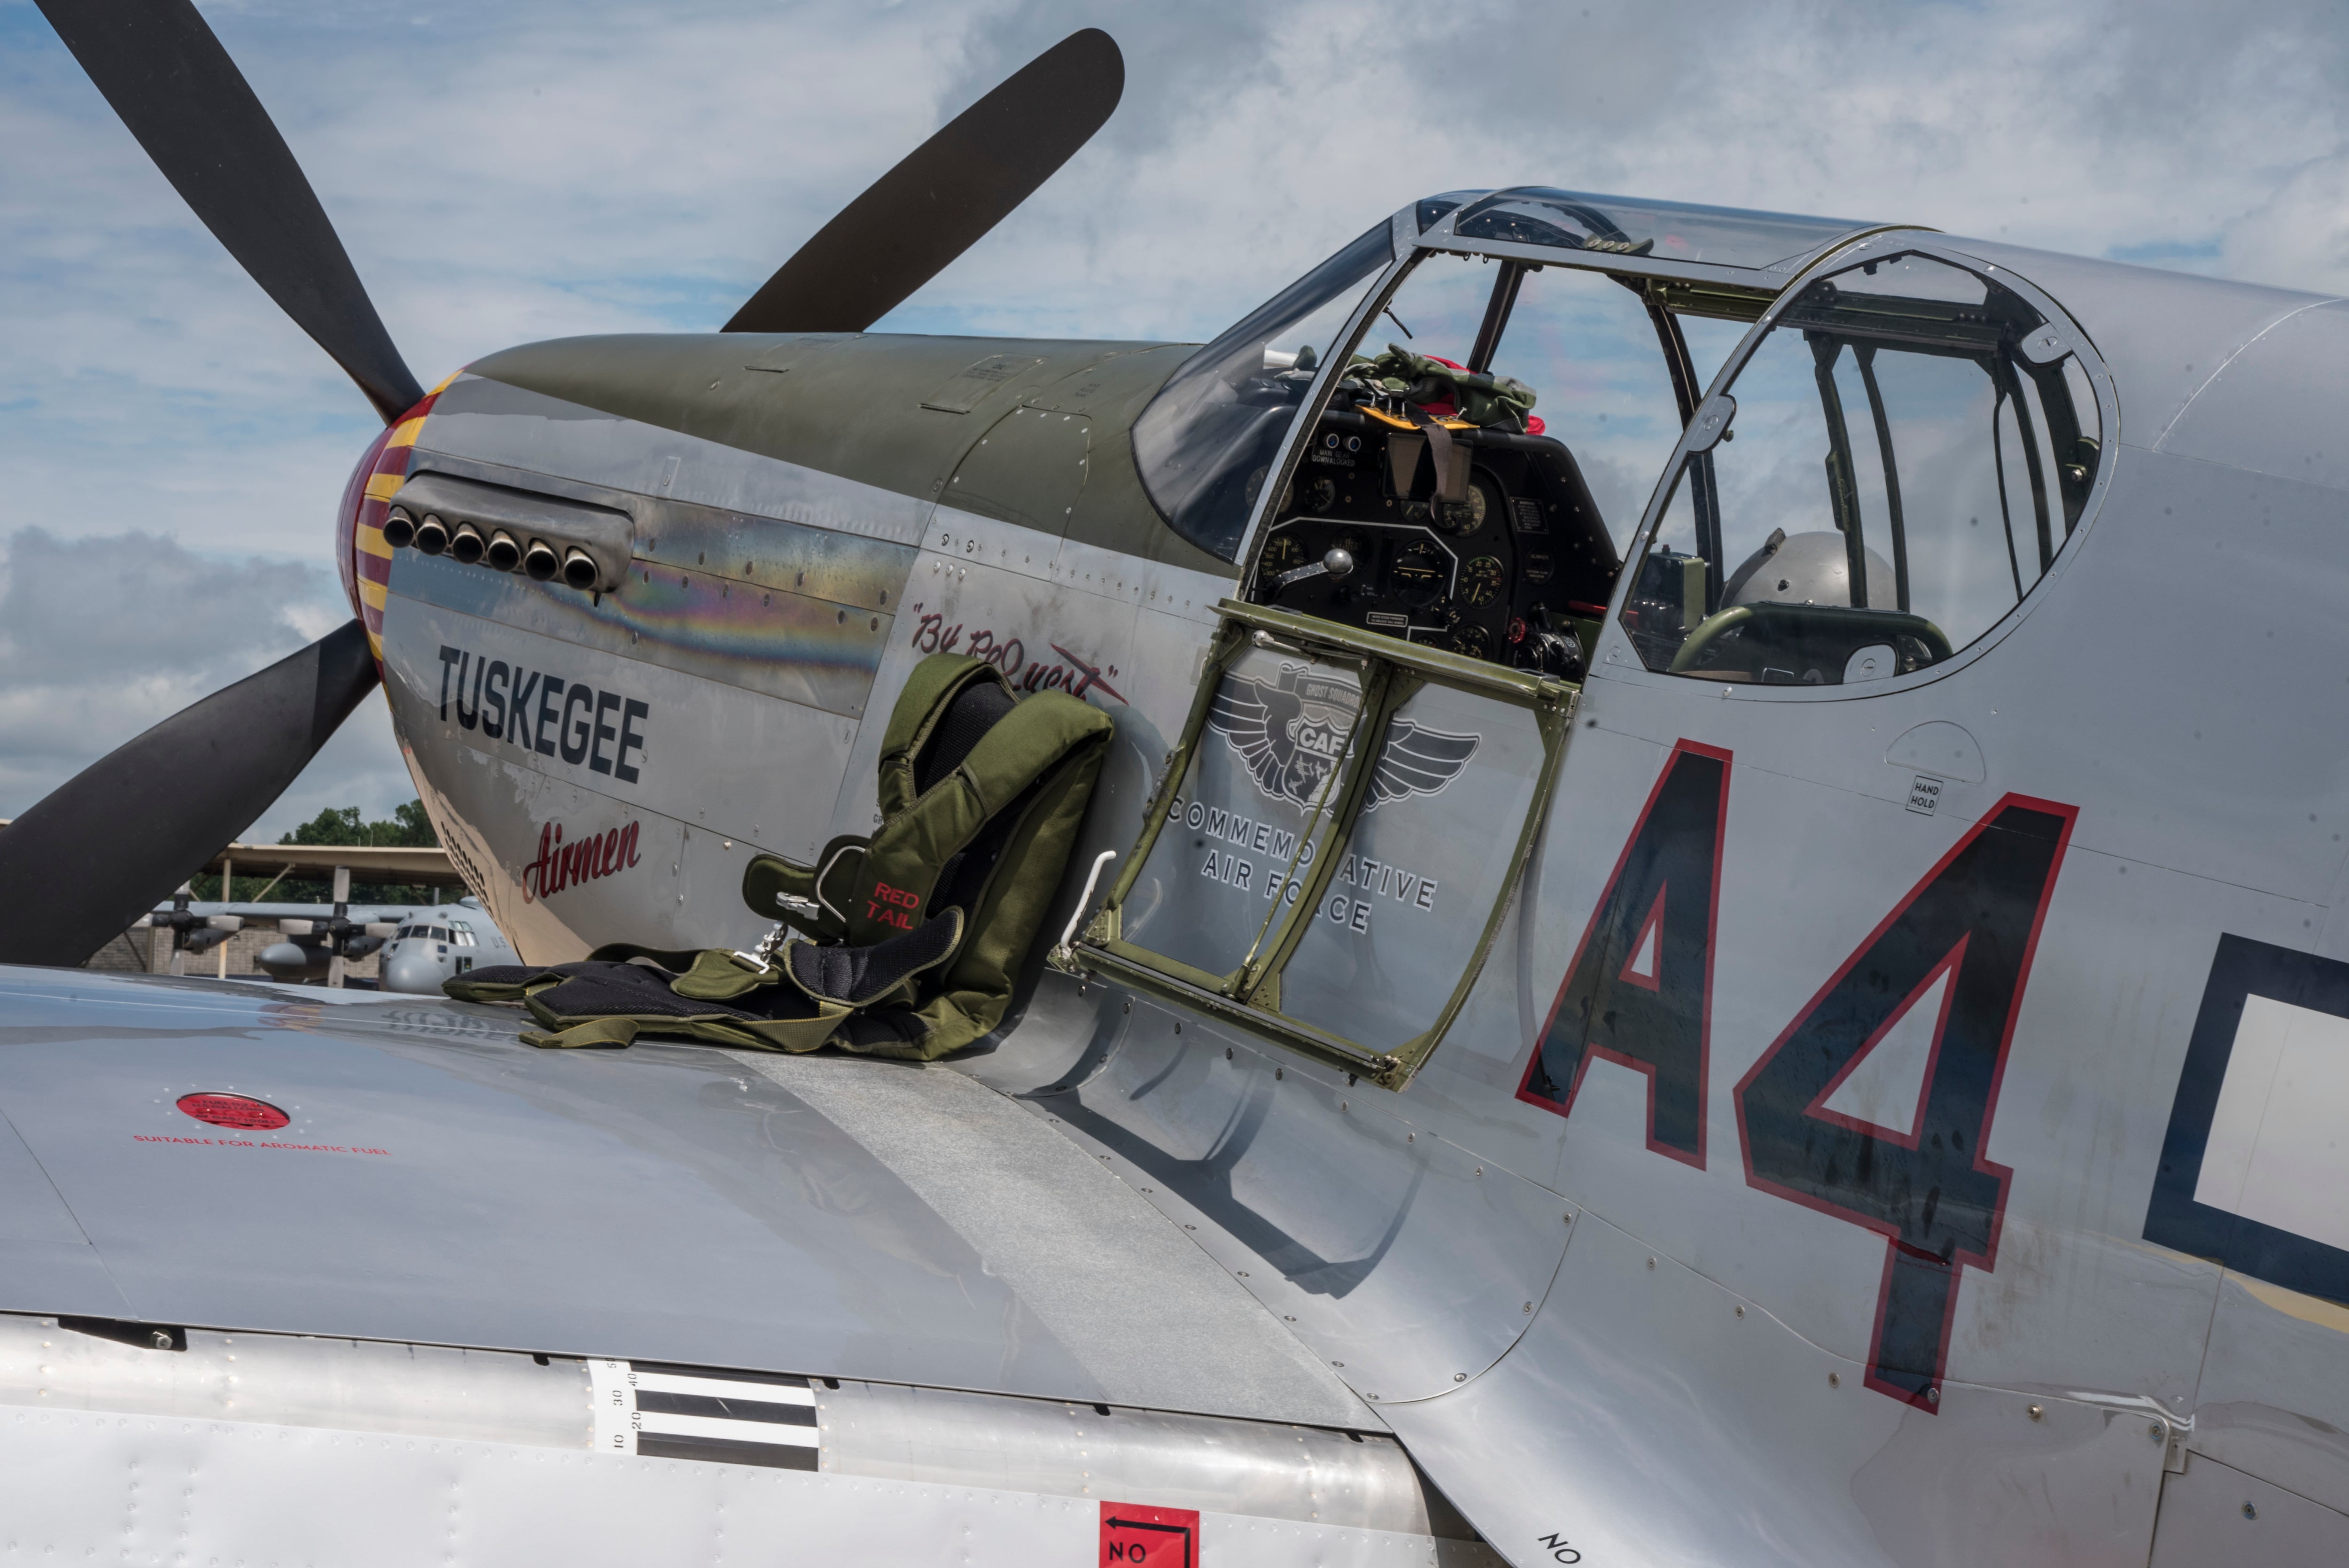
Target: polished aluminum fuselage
{"x":1572,"y":1333}
{"x":1590,"y":1347}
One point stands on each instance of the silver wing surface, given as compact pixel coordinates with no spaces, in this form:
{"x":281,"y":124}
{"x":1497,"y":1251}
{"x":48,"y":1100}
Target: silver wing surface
{"x":460,"y":1265}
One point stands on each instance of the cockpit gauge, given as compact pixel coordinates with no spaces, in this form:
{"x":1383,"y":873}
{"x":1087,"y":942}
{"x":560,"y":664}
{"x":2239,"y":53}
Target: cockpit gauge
{"x":1446,"y":575}
{"x":1420,"y":574}
{"x":1470,"y":516}
{"x":1481,"y":581}
{"x":1453,"y":517}
{"x":1338,"y":451}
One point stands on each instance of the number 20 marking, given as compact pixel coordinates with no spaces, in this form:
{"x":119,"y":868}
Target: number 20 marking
{"x":1971,"y":925}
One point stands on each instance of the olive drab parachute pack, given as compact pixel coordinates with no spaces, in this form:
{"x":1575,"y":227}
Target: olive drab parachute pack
{"x":906,"y":944}
{"x":1480,"y":400}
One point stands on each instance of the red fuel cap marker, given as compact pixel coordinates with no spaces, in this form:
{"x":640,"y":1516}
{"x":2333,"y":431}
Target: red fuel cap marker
{"x":239,"y":1110}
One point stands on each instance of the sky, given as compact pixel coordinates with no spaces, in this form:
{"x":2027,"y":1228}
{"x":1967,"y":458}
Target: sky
{"x":172,"y":449}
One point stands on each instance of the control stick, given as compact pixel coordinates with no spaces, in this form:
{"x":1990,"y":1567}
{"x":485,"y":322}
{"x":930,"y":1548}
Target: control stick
{"x":1337,"y":564}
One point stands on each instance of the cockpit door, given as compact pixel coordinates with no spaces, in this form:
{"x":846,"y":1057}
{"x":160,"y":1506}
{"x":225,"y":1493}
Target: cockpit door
{"x":1333,"y":845}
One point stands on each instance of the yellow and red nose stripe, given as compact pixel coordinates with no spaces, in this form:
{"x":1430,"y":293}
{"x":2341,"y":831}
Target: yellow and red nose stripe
{"x":367,"y":575}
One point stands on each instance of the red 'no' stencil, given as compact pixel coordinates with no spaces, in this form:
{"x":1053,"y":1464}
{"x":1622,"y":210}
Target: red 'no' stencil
{"x":238,"y":1111}
{"x":1133,"y":1536}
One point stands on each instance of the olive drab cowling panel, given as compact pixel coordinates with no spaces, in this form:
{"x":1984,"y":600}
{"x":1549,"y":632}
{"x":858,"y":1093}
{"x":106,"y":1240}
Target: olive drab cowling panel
{"x":912,"y":939}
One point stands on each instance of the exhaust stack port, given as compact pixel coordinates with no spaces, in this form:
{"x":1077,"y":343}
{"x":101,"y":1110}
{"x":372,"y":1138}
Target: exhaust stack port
{"x":552,"y":539}
{"x":398,"y":528}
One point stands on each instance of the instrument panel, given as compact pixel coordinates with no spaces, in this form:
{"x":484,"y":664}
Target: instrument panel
{"x":1491,"y":576}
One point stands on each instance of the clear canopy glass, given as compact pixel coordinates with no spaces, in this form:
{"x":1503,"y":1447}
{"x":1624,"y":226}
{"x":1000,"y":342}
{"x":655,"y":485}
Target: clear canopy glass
{"x":1207,"y":444}
{"x":1904,"y":471}
{"x":1663,"y":231}
{"x":1431,"y":209}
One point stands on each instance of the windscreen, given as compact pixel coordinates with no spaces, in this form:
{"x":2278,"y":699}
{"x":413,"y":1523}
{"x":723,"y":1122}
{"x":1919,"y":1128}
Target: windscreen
{"x":1207,"y":441}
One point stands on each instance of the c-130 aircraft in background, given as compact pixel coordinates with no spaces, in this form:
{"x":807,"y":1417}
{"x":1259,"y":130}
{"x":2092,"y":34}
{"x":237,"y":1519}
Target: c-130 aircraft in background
{"x":1721,"y":948}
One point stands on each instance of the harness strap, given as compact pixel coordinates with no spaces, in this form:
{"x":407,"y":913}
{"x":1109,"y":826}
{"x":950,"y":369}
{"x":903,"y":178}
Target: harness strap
{"x":608,"y":1033}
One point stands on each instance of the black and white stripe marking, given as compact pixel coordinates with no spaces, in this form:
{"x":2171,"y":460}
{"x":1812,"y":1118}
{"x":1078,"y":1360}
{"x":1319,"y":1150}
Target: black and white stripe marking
{"x":692,"y":1413}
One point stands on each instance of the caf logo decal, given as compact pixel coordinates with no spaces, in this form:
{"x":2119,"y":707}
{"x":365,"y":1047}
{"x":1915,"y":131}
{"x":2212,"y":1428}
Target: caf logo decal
{"x":1293,"y":733}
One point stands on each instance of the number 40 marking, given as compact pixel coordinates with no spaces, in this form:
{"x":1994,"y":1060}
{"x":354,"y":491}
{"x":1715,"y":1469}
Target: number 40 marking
{"x":1972,"y":923}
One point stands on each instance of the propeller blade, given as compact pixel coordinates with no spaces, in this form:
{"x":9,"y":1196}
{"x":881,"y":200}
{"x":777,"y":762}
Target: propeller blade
{"x":953,"y":188}
{"x":174,"y":85}
{"x":105,"y":847}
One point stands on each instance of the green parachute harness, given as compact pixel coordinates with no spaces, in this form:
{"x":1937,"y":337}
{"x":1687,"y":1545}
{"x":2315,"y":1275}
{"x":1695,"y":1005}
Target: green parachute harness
{"x":906,"y":944}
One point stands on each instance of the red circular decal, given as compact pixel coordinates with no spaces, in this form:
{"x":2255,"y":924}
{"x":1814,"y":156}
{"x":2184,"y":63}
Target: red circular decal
{"x":235,"y":1111}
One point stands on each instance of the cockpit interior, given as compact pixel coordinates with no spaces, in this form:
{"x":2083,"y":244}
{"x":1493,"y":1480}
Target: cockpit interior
{"x":1406,"y":519}
{"x":1919,"y":441}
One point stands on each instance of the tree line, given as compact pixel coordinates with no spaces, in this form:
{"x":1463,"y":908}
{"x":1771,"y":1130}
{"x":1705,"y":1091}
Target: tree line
{"x":408,"y":827}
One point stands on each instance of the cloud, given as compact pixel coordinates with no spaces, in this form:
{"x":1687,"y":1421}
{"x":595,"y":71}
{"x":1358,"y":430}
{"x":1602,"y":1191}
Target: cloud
{"x":512,"y":171}
{"x":104,"y":636}
{"x":2301,"y":231}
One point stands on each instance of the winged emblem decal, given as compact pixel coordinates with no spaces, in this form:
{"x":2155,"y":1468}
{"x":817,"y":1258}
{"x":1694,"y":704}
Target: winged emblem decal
{"x":1291,"y":734}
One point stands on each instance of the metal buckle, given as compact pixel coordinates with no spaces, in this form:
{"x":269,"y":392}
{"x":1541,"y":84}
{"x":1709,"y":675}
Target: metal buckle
{"x":762,"y":957}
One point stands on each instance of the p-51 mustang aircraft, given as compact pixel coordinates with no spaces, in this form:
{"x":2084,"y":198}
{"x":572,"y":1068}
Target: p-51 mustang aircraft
{"x":1679,"y":984}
